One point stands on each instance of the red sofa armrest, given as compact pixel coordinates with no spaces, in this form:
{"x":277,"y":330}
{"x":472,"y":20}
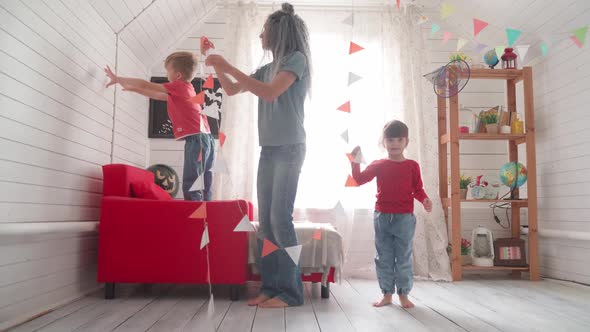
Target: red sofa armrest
{"x":152,"y":241}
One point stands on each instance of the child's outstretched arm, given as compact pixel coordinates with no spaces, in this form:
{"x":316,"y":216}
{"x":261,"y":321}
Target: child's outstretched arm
{"x":365,"y":176}
{"x":132,"y":84}
{"x":152,"y":94}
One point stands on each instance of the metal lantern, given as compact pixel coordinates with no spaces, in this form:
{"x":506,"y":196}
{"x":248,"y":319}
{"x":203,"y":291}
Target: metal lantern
{"x":509,"y":59}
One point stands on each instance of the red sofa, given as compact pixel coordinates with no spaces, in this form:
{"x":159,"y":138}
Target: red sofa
{"x":154,"y":241}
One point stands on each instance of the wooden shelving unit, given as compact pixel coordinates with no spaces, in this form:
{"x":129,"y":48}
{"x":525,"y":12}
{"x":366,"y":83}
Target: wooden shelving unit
{"x":452,"y":139}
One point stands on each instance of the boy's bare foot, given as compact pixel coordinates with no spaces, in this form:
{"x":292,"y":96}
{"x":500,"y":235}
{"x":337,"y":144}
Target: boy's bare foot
{"x":259,"y":299}
{"x":386,"y":300}
{"x":405,"y":302}
{"x":275,"y":302}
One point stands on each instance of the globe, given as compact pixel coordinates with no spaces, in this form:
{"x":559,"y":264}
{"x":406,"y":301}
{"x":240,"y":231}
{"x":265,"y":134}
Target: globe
{"x":513,"y":175}
{"x":490,"y":58}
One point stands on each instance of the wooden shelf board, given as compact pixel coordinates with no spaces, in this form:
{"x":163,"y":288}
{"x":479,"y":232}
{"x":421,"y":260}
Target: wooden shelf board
{"x":518,"y":138}
{"x":522,"y":202}
{"x":496,"y":268}
{"x":498,"y":74}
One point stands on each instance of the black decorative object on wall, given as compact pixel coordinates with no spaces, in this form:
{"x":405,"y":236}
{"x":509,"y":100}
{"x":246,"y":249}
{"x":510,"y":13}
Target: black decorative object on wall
{"x":160,"y":125}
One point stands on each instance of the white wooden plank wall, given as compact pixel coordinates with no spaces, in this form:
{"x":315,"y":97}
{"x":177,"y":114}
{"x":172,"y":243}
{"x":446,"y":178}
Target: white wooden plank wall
{"x":56,"y":120}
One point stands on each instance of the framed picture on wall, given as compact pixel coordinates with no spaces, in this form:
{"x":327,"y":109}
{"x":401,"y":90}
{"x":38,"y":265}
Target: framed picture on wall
{"x":160,"y":125}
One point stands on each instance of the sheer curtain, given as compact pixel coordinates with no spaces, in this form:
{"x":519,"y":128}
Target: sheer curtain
{"x":391,"y":87}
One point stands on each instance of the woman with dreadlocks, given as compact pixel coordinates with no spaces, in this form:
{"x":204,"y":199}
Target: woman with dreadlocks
{"x":281,"y":87}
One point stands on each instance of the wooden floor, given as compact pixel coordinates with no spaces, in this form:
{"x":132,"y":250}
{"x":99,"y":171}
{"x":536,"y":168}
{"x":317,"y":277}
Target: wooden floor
{"x":477,"y":304}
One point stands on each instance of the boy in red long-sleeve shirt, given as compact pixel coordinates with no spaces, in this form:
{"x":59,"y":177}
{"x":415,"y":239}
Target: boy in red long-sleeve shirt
{"x":398,"y":184}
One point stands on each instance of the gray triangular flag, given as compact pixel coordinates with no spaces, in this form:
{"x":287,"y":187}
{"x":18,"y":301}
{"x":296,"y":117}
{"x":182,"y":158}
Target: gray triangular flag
{"x":199,"y":184}
{"x":245,"y":225}
{"x":220,"y":166}
{"x":344,"y":135}
{"x":359,"y":158}
{"x":205,"y":238}
{"x":349,"y":20}
{"x":352,"y":77}
{"x":522,"y":50}
{"x":294,"y":252}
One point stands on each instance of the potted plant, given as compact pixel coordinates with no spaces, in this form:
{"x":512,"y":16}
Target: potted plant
{"x":491,"y":123}
{"x":465,"y":251}
{"x":464,"y":182}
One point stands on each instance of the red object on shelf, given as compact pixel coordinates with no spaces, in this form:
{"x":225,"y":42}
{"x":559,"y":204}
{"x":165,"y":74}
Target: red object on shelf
{"x":509,"y":59}
{"x":464,"y":130}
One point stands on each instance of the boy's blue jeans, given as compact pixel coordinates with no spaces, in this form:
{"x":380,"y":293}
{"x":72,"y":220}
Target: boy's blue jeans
{"x":195,"y":145}
{"x":278,"y":176}
{"x":394,"y":234}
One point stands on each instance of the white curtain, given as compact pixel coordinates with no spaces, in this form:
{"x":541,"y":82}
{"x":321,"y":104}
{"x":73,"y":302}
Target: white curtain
{"x":391,"y":87}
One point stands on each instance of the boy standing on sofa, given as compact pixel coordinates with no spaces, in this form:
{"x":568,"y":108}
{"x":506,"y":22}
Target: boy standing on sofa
{"x":187,"y":121}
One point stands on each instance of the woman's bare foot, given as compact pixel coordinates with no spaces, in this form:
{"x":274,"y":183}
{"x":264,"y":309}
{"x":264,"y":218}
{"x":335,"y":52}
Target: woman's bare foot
{"x":386,"y":300}
{"x":275,"y":302}
{"x":405,"y":302}
{"x":259,"y":299}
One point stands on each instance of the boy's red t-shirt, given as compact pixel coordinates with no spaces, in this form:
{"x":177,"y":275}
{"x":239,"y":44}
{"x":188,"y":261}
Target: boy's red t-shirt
{"x":398,"y":184}
{"x":186,"y":116}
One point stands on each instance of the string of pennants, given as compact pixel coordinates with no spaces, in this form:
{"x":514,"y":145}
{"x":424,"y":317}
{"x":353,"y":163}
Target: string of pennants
{"x":577,"y":36}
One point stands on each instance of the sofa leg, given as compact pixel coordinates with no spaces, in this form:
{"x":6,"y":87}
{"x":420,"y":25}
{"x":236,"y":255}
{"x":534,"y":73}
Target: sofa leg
{"x":234,"y":292}
{"x":109,"y":290}
{"x":326,"y":291}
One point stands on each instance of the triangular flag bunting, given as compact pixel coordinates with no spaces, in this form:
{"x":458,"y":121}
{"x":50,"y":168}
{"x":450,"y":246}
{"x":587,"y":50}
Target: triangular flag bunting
{"x":294,"y":252}
{"x":205,"y":45}
{"x":344,"y":135}
{"x":359,"y":159}
{"x":349,"y":20}
{"x":209,"y":84}
{"x":434,"y":28}
{"x":222,"y":138}
{"x":219,"y":165}
{"x":447,"y":35}
{"x":423,"y":19}
{"x":522,"y":51}
{"x":499,"y":51}
{"x":245,"y":225}
{"x":478,"y":25}
{"x":198,"y":99}
{"x":200,"y":212}
{"x":317,"y":235}
{"x":446,"y":10}
{"x":544,"y":49}
{"x":354,"y":48}
{"x":576,"y":41}
{"x":339,"y":209}
{"x":200,"y":156}
{"x":345,"y":107}
{"x":350,"y":157}
{"x":211,"y":111}
{"x":580,"y":35}
{"x":352,"y":77}
{"x":461,"y":43}
{"x":479,"y":48}
{"x":350,"y":182}
{"x":211,"y":307}
{"x":398,"y":3}
{"x":205,"y":237}
{"x":199,"y":184}
{"x":512,"y":35}
{"x":268,"y":248}
{"x":202,"y":124}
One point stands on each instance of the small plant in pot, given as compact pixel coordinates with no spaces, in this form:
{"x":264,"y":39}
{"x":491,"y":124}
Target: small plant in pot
{"x":464,"y":182}
{"x":465,"y":251}
{"x":491,"y":122}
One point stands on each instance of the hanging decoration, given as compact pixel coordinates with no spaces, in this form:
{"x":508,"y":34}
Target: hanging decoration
{"x":350,"y":182}
{"x":461,"y":43}
{"x":345,"y":107}
{"x":478,"y":25}
{"x":352,"y":78}
{"x":522,"y":51}
{"x":434,"y":28}
{"x":344,"y":135}
{"x":353,"y":48}
{"x":512,"y":35}
{"x":579,"y":36}
{"x":446,"y":36}
{"x":446,"y":10}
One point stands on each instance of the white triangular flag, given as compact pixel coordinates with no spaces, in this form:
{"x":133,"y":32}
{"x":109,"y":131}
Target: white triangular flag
{"x":294,"y":252}
{"x":522,"y":50}
{"x":205,"y":238}
{"x":344,"y":135}
{"x":245,"y":225}
{"x":199,"y":184}
{"x":461,"y":43}
{"x":202,"y":126}
{"x":423,"y":19}
{"x":219,"y":165}
{"x":349,"y":20}
{"x":352,"y":77}
{"x":359,"y":159}
{"x":211,"y":111}
{"x":211,"y":307}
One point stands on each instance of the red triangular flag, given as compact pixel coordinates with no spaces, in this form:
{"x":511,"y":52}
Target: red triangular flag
{"x":576,"y":41}
{"x":209,"y":82}
{"x":398,"y":4}
{"x":268,"y":248}
{"x":221,"y":138}
{"x":350,"y":182}
{"x":200,"y":156}
{"x":350,"y":157}
{"x":198,"y":99}
{"x":317,"y":235}
{"x":354,"y":48}
{"x":345,"y":107}
{"x":478,"y":25}
{"x":200,"y":212}
{"x":206,"y":44}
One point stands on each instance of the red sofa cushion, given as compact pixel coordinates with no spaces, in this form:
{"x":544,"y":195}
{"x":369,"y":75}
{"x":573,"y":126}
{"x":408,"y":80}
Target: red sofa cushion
{"x":149,"y":190}
{"x":117,"y":179}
